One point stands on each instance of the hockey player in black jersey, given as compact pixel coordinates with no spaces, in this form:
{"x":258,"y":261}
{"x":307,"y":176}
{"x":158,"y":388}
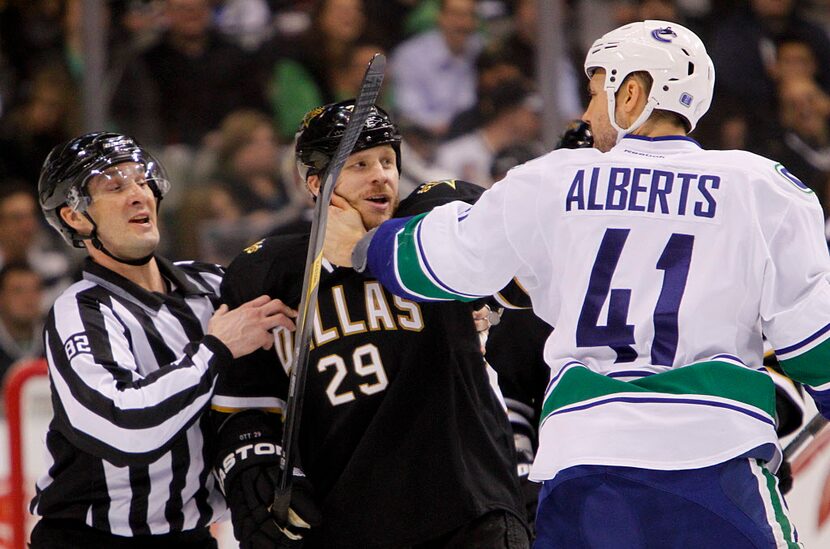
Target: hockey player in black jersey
{"x":404,"y":442}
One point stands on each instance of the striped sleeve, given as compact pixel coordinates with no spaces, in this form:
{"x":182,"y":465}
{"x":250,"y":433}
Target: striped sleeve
{"x":795,"y":306}
{"x":103,"y":402}
{"x":455,"y":252}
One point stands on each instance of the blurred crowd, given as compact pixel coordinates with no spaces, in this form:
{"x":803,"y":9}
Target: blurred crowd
{"x":216,"y":88}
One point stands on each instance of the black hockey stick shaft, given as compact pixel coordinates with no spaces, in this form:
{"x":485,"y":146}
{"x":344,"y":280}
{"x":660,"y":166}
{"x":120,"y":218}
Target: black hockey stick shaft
{"x":808,"y":431}
{"x":366,"y":98}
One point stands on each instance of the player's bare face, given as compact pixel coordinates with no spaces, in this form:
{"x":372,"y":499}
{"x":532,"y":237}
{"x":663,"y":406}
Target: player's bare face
{"x":124,"y":209}
{"x":596,"y":115}
{"x":369,"y":182}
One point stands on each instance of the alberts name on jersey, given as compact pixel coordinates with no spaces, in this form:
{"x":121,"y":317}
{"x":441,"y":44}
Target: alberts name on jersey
{"x":643,"y":190}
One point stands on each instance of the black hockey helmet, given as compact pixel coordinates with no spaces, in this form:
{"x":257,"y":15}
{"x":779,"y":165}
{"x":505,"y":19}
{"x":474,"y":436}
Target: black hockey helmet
{"x":321,"y":129}
{"x":69,"y":167}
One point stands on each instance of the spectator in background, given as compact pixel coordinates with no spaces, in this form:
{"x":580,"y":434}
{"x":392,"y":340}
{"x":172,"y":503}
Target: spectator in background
{"x":520,"y":45}
{"x":206,"y":210}
{"x":23,"y":240}
{"x":743,"y":50}
{"x":433,"y":72}
{"x":794,"y":58}
{"x":804,"y":147}
{"x":308,"y":75}
{"x":248,"y":163}
{"x":492,"y":68}
{"x":350,"y":77}
{"x":21,"y":315}
{"x":31,"y":36}
{"x":243,"y":195}
{"x":246,"y":22}
{"x":46,"y":115}
{"x":394,"y":14}
{"x":512,"y":117}
{"x":182,"y":86}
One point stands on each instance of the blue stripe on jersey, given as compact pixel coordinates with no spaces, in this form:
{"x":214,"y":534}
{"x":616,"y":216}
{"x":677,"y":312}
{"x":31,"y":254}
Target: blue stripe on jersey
{"x":710,"y":383}
{"x":666,"y":399}
{"x":803,"y":342}
{"x":425,"y":262}
{"x":809,"y":367}
{"x":380,"y":257}
{"x":631,"y":373}
{"x":395,"y":259}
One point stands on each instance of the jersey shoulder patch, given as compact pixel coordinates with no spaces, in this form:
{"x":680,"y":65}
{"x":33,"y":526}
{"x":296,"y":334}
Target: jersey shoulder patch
{"x":786,"y":174}
{"x":266,"y":267}
{"x":436,"y":193}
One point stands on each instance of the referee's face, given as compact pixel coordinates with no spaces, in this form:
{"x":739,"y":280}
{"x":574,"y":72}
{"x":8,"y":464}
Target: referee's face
{"x":124,"y":210}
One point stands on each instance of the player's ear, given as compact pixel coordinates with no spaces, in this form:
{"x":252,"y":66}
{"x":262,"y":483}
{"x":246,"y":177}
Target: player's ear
{"x":312,"y":183}
{"x":76,"y":220}
{"x":631,"y":91}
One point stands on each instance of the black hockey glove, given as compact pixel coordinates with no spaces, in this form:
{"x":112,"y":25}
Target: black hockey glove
{"x":524,"y":436}
{"x":577,"y":135}
{"x":248,"y":473}
{"x":785,"y":477}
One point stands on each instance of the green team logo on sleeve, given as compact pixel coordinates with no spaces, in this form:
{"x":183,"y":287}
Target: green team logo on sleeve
{"x":784,"y":172}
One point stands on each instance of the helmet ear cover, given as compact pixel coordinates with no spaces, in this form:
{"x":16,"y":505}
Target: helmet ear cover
{"x":322,"y":128}
{"x":70,"y":166}
{"x":682,"y":73}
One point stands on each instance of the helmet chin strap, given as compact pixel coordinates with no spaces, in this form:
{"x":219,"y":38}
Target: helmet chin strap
{"x":634,"y":126}
{"x":96,"y":242}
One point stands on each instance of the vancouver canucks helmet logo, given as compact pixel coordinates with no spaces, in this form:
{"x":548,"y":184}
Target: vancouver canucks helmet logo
{"x":664,"y":34}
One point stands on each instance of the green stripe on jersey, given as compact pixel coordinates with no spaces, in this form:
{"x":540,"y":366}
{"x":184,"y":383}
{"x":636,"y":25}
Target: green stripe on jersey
{"x":778,"y":507}
{"x":713,"y":378}
{"x":811,"y":367}
{"x":412,"y":276}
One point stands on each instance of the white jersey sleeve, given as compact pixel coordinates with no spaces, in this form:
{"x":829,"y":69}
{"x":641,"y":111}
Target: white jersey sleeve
{"x":795,"y":304}
{"x":662,"y":266}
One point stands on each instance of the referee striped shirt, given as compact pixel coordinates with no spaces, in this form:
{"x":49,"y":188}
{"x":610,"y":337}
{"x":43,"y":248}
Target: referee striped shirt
{"x":131,"y":373}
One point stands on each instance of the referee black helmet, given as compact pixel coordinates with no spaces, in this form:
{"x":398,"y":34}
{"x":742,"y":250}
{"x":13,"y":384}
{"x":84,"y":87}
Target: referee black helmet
{"x":69,"y":167}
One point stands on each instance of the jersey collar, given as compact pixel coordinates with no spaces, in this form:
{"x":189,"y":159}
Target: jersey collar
{"x":667,"y":144}
{"x":117,"y":284}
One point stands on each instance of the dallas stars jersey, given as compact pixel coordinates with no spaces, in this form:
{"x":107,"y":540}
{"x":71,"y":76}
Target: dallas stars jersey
{"x":402,"y":436}
{"x":661,"y":265}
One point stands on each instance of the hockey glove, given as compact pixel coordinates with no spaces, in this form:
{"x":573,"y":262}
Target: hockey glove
{"x":785,"y":477}
{"x":248,"y":473}
{"x":524,"y":436}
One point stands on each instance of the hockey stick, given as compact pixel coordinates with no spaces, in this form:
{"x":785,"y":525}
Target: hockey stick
{"x":810,"y":430}
{"x":369,"y":90}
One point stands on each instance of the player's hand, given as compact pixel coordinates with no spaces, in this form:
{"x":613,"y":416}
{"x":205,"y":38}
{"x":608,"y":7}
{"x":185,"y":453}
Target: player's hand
{"x":343,"y":230}
{"x":250,"y":496}
{"x":248,"y":327}
{"x":248,"y":479}
{"x":481,"y":318}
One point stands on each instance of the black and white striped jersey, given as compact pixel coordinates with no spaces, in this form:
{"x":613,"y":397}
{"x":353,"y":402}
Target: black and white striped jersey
{"x":131,"y":373}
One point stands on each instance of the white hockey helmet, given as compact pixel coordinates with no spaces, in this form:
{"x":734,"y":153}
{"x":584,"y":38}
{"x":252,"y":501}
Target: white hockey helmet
{"x":683,"y":73}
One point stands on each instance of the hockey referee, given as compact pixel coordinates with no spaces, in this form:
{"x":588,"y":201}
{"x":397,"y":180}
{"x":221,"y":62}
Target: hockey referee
{"x":133,"y":352}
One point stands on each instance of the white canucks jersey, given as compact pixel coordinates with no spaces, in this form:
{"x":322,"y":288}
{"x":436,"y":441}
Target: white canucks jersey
{"x":661,"y":266}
